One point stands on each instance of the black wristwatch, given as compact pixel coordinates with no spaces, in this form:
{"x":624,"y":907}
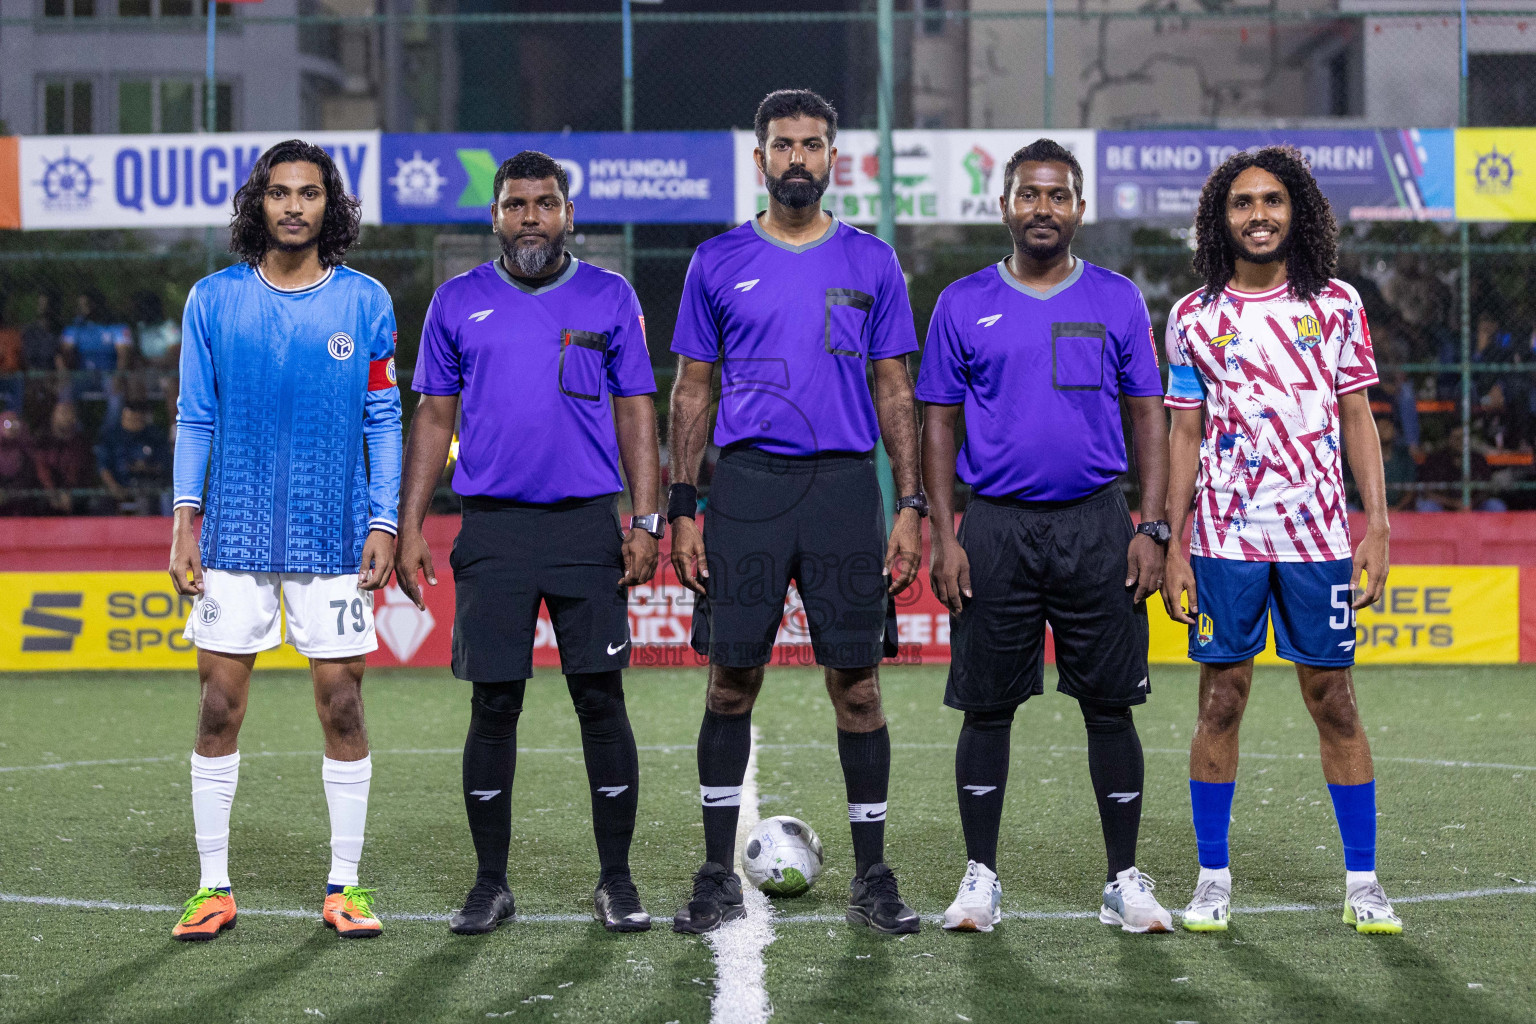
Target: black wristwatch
{"x":917,"y":502}
{"x":1157,"y":530}
{"x":652,"y":524}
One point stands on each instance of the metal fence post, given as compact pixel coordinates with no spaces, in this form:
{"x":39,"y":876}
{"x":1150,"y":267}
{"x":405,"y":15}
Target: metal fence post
{"x":627,"y":114}
{"x":1462,"y":235}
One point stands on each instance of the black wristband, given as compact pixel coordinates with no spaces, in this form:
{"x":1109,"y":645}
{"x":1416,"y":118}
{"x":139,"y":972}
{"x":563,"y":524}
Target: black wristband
{"x":682,"y":501}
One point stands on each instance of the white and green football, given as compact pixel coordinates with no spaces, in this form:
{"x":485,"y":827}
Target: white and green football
{"x":782,"y":856}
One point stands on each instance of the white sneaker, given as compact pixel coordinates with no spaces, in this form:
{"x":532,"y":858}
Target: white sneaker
{"x":1210,"y":907}
{"x":1366,"y":908}
{"x":1129,"y":903}
{"x":976,"y":906}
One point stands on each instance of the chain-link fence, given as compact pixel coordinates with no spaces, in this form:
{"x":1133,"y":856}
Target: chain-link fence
{"x":87,"y":319}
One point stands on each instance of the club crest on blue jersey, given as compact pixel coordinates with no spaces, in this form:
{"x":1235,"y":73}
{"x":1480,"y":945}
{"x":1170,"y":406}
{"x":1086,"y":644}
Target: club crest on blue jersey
{"x":1308,"y":331}
{"x":340,"y":345}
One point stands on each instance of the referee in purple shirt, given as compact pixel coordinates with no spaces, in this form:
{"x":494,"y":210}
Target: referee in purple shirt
{"x":797,"y":308}
{"x":1037,"y":351}
{"x":544,"y":356}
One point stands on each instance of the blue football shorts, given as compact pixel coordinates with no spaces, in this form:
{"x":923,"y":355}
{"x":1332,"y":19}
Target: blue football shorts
{"x":1309,"y":601}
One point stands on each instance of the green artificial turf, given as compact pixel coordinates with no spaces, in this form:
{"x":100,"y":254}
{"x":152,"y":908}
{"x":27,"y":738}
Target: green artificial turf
{"x":123,"y":832}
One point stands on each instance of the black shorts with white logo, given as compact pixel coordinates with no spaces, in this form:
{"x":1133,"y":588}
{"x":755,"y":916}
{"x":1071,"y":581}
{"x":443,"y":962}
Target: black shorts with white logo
{"x":508,"y":557}
{"x":1034,"y":563}
{"x":818,"y":520}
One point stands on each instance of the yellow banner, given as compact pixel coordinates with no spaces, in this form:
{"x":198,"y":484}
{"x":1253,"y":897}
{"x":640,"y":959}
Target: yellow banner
{"x":1496,"y":174}
{"x":67,"y":620}
{"x":1456,"y":614}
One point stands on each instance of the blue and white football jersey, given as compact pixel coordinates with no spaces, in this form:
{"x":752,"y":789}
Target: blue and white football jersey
{"x":279,"y":391}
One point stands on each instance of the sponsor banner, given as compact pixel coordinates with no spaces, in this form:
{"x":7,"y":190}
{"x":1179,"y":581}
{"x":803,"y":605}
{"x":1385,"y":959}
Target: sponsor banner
{"x":1456,"y":614}
{"x":640,"y":178}
{"x":10,"y":187}
{"x":1385,"y":174}
{"x":942,"y":176}
{"x":155,"y":181}
{"x":1467,"y":614}
{"x":1496,"y":174}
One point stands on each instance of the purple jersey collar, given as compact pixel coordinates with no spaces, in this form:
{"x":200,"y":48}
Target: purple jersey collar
{"x":527,"y":289}
{"x":757,"y":225}
{"x":1034,"y":293}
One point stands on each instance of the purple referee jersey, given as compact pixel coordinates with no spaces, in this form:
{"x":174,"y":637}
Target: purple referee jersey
{"x":1040,"y":374}
{"x":534,"y":368}
{"x":796,"y":326}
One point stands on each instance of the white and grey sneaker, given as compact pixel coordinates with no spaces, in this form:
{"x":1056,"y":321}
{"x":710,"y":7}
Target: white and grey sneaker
{"x":1366,"y":908}
{"x":976,"y":906}
{"x":1129,"y":903}
{"x":1210,"y":907}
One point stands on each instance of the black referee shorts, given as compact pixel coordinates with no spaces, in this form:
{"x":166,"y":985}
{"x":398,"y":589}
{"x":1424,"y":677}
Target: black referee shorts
{"x":508,"y":557}
{"x":818,"y":520}
{"x":1048,"y":562}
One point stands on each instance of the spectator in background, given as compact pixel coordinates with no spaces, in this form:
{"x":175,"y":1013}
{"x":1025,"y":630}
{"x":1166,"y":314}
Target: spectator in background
{"x":1506,"y":395}
{"x":13,"y":382}
{"x":40,"y":339}
{"x":91,"y":341}
{"x":1443,"y":466}
{"x":134,"y":459}
{"x":65,"y":461}
{"x":1398,"y":462}
{"x":159,"y":341}
{"x":18,"y":468}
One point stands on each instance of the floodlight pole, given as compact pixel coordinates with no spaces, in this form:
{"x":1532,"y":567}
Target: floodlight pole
{"x":210,"y":106}
{"x":884,"y":102}
{"x":1050,"y":60}
{"x":1462,"y":237}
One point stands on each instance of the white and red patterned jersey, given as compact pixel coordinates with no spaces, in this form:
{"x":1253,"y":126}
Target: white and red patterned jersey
{"x":1268,"y":370}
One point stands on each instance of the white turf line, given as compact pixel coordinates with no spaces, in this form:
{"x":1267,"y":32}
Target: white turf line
{"x":741,"y":997}
{"x":1434,"y":762}
{"x":586,"y":919}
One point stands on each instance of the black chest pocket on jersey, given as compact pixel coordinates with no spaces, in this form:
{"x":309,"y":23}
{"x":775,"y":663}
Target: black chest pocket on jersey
{"x":847,"y":316}
{"x":583,"y":362}
{"x":1077,"y":356}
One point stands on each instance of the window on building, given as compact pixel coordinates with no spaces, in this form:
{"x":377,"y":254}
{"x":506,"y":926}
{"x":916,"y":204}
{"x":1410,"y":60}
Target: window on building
{"x":1501,"y":90}
{"x":171,"y":105}
{"x":933,"y":17}
{"x":69,"y":8}
{"x":67,"y":108}
{"x":134,"y":8}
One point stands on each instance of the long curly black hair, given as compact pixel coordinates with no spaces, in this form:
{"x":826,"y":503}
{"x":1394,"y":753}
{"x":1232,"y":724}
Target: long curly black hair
{"x":248,"y":235}
{"x":1313,"y":242}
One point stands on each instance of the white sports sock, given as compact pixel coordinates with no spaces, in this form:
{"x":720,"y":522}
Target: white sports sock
{"x":1355,"y":879}
{"x":213,"y":791}
{"x":1222,"y":875}
{"x":346,"y":794}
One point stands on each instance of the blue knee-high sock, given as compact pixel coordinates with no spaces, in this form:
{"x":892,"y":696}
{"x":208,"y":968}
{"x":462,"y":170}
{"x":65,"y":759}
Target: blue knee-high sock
{"x":1355,"y":807}
{"x":1212,"y":804}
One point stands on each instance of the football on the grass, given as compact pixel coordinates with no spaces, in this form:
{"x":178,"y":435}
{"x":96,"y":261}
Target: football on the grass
{"x":782,"y":856}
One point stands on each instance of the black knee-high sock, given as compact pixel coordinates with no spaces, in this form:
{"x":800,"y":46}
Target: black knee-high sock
{"x":725,"y":744}
{"x":490,"y":761}
{"x":613,"y":767}
{"x":1115,"y":765}
{"x":981,"y":778}
{"x":866,"y":758}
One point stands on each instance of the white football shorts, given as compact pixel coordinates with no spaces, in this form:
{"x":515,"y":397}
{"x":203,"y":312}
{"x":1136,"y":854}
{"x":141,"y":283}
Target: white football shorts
{"x":328,"y":616}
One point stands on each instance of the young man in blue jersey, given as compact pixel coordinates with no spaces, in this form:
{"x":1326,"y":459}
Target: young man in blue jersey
{"x":800,"y":310}
{"x":287,"y":370}
{"x":539,"y":477}
{"x":1037,"y":351}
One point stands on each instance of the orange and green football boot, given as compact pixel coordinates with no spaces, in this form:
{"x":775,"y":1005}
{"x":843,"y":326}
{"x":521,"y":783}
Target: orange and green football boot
{"x":205,"y":915}
{"x":350,"y":912}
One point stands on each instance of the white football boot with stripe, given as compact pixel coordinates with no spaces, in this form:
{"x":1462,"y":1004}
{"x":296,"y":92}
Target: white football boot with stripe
{"x":977,"y":906}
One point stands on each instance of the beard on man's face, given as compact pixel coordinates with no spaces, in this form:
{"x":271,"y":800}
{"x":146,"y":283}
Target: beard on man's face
{"x":797,"y":187}
{"x":533,"y":253}
{"x":1275,"y":255}
{"x":1046,"y":248}
{"x":276,"y":241}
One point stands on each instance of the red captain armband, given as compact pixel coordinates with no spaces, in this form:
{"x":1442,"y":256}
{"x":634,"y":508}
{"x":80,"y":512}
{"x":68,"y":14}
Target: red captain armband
{"x":381,"y":374}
